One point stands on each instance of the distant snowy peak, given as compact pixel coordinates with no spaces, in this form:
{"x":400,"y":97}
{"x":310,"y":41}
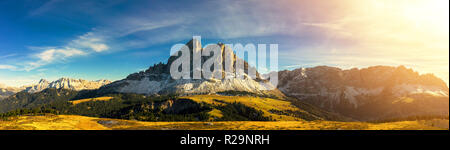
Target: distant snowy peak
{"x":67,"y":83}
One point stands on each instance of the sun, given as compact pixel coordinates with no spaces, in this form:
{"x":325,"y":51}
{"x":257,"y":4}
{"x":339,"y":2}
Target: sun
{"x":429,"y":14}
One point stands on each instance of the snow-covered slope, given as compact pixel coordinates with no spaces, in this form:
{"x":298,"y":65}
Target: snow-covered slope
{"x":355,"y":92}
{"x":66,"y":83}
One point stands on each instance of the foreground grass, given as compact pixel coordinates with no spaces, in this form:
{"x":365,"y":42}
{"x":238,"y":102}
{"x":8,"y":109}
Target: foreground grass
{"x":72,"y":122}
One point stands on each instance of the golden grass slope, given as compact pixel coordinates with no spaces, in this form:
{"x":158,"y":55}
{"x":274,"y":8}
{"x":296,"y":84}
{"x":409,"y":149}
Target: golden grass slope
{"x":258,"y":103}
{"x":75,"y":102}
{"x":51,"y":122}
{"x":72,"y":122}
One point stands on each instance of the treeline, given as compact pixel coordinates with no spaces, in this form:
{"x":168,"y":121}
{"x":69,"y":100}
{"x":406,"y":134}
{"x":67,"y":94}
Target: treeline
{"x":31,"y":100}
{"x":163,"y":110}
{"x":21,"y":112}
{"x":241,"y":112}
{"x":144,"y":108}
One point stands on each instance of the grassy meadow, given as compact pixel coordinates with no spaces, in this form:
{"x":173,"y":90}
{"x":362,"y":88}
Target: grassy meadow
{"x":72,"y":122}
{"x":268,"y":107}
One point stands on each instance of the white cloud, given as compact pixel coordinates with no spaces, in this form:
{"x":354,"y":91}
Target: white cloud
{"x":47,"y":55}
{"x":135,"y":25}
{"x":81,"y":46}
{"x":99,"y":47}
{"x":51,"y":55}
{"x":90,"y":41}
{"x":69,"y":52}
{"x":33,"y":65}
{"x":55,"y":54}
{"x":9,"y":67}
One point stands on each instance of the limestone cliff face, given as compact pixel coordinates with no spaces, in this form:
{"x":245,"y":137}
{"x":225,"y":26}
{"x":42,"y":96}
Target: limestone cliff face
{"x":66,"y":83}
{"x":374,"y":92}
{"x":157,"y":79}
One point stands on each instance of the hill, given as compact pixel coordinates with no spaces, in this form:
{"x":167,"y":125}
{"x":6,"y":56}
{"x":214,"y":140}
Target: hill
{"x":244,"y":107}
{"x":24,"y":99}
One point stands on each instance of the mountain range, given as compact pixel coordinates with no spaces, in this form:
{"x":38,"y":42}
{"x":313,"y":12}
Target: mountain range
{"x":66,"y":83}
{"x":62,"y":83}
{"x":374,"y":93}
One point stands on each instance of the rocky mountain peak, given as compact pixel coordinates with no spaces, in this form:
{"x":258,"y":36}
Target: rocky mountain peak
{"x":157,"y":79}
{"x":66,"y":83}
{"x":42,"y":81}
{"x":161,"y":70}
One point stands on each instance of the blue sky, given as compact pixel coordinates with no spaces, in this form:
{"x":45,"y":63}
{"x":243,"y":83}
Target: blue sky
{"x":109,"y":39}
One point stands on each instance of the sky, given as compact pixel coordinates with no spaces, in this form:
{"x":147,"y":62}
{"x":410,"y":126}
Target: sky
{"x":110,"y":39}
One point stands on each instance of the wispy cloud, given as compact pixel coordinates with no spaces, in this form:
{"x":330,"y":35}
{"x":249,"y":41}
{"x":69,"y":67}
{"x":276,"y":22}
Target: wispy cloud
{"x":83,"y":45}
{"x":52,"y":54}
{"x":90,"y":41}
{"x":136,"y":25}
{"x":47,"y":6}
{"x":8,"y":67}
{"x":143,"y":31}
{"x":7,"y":56}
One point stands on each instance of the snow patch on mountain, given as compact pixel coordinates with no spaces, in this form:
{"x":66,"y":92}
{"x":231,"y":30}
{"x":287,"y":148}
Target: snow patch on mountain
{"x":66,"y":83}
{"x":405,"y":89}
{"x":157,"y":79}
{"x":190,"y":86}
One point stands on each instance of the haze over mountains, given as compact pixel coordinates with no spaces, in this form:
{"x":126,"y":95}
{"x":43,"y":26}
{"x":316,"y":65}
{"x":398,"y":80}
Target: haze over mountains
{"x":6,"y":91}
